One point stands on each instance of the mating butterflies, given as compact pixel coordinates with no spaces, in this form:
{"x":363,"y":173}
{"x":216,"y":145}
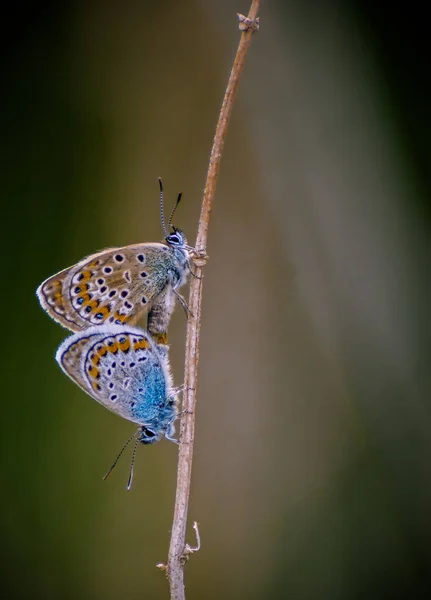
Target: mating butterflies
{"x":118,"y":285}
{"x":123,"y":369}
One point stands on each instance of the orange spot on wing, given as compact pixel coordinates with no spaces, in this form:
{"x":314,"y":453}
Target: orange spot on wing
{"x":119,"y":317}
{"x":93,"y":372}
{"x":95,"y":359}
{"x":125,"y":345}
{"x":103,"y":310}
{"x":93,"y":305}
{"x":113,"y":347}
{"x":141,"y":344}
{"x":86,"y":275}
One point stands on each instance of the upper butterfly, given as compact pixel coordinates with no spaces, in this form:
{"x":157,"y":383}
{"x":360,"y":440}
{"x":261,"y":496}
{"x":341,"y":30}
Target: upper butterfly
{"x":119,"y":285}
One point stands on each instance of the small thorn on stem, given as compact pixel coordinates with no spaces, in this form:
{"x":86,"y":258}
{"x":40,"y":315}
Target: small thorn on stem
{"x":245,"y":24}
{"x":163,"y":568}
{"x":188,"y":550}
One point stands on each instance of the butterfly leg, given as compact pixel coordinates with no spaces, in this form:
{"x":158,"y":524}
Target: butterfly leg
{"x":192,"y":271}
{"x":171,"y":439}
{"x":183,"y":303}
{"x":199,"y":259}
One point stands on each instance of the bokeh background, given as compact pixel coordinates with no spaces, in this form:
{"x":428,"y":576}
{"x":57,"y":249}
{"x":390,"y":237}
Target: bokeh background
{"x":313,"y":444}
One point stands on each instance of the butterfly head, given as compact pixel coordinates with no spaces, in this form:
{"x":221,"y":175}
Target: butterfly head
{"x":149,"y":436}
{"x":176,"y":239}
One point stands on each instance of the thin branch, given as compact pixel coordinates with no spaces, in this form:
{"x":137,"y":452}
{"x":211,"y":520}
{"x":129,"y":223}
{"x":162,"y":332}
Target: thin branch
{"x":178,"y":550}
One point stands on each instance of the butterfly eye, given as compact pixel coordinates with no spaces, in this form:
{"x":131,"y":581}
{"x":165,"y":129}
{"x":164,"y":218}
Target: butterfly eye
{"x":148,"y":436}
{"x":174,"y":239}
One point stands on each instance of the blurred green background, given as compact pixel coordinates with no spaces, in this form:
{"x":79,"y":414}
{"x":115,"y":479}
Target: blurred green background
{"x":313,"y":444}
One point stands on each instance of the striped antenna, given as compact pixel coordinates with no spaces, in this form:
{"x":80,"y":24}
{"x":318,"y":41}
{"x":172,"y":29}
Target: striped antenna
{"x":120,"y":453}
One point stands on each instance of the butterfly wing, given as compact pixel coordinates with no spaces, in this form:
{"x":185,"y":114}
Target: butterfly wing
{"x":121,"y":368}
{"x":115,"y":286}
{"x":51,"y":298}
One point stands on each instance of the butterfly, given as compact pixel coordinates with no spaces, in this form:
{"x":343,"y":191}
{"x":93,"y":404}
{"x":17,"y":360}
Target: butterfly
{"x":122,"y":368}
{"x":118,"y":285}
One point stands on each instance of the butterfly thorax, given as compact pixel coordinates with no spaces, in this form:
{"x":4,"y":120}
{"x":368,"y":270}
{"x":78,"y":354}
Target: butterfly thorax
{"x":161,"y":423}
{"x":154,"y":432}
{"x":177,"y":243}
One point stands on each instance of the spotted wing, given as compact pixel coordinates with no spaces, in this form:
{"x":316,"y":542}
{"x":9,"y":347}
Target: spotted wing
{"x":51,"y":298}
{"x":121,"y":368}
{"x":114,"y":286}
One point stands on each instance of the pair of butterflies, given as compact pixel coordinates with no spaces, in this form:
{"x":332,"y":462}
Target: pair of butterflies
{"x":124,"y":368}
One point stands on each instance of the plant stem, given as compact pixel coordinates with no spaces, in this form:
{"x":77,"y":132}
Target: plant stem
{"x":177,"y":549}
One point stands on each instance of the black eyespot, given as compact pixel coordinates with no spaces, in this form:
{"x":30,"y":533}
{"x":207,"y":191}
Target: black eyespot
{"x":109,"y":372}
{"x":141,"y":258}
{"x":111,"y":320}
{"x":128,"y":305}
{"x":123,"y":364}
{"x":77,"y":290}
{"x":98,"y":388}
{"x":143,"y":274}
{"x":80,"y":277}
{"x":142,"y":359}
{"x":140,"y":390}
{"x":124,"y":293}
{"x":99,"y":316}
{"x":80,"y":300}
{"x":117,"y":322}
{"x":132,"y":364}
{"x":100,"y":281}
{"x":113,"y":397}
{"x":88,"y":309}
{"x":103,"y":289}
{"x":110,"y":343}
{"x":144,"y":300}
{"x":133,"y":404}
{"x":107,"y":270}
{"x":122,"y":340}
{"x":111,"y":385}
{"x":112,"y":293}
{"x":113,"y":365}
{"x":127,"y":276}
{"x":119,"y":257}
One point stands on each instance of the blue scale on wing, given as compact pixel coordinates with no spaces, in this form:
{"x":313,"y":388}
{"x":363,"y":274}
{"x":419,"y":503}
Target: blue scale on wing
{"x":132,"y":383}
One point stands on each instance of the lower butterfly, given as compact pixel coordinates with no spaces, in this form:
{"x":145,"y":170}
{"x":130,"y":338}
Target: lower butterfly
{"x":123,"y":369}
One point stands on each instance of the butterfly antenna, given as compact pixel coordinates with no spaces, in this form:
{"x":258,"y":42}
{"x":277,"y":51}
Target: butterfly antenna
{"x":162,"y":218}
{"x":180,"y":195}
{"x":119,"y":454}
{"x":132,"y":464}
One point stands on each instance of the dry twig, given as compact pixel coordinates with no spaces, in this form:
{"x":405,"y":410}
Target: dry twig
{"x":179,"y":551}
